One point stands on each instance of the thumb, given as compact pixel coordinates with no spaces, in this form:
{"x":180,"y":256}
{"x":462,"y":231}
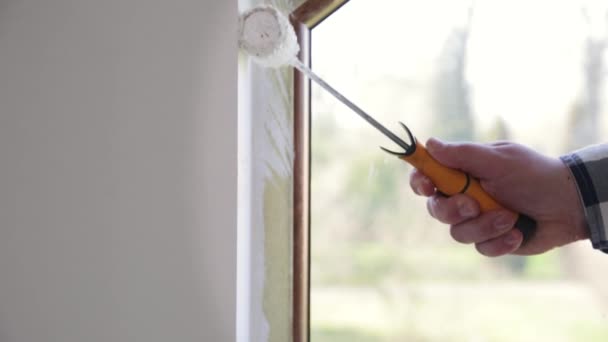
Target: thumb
{"x":475,"y":159}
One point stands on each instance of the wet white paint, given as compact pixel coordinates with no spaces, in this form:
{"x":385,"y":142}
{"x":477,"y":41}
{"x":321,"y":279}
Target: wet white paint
{"x":265,"y":166}
{"x":267,"y":36}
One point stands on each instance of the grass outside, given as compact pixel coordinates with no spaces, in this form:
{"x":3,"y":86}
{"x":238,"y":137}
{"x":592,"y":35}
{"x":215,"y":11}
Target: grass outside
{"x":459,"y":311}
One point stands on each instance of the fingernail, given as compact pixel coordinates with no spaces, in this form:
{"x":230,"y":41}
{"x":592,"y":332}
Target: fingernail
{"x":503,"y":222}
{"x":423,"y":183}
{"x":465,"y":209}
{"x":419,"y":189}
{"x":511,"y":239}
{"x":434,"y":144}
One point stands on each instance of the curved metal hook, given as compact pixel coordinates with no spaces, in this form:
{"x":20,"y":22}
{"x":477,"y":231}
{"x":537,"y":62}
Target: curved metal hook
{"x":411,"y":147}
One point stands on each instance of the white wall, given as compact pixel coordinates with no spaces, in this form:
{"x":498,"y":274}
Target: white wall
{"x":117,"y":170}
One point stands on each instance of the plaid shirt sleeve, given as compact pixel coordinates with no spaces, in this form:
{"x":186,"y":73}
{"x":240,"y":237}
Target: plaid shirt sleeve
{"x":589,"y":168}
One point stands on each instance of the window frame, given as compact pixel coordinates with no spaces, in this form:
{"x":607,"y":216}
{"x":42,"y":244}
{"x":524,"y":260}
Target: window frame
{"x":304,"y":19}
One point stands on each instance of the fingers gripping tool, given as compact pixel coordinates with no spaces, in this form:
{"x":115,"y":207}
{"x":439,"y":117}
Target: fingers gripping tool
{"x":448,"y":181}
{"x":451,"y":181}
{"x":267,"y":36}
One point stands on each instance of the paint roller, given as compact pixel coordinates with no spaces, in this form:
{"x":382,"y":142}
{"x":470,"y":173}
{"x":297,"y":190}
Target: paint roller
{"x":267,"y":36}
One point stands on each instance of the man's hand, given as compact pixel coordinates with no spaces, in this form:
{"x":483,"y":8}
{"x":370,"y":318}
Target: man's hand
{"x":518,"y":178}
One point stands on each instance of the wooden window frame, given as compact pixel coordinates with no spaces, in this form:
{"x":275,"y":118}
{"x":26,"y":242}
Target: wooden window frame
{"x":304,"y":19}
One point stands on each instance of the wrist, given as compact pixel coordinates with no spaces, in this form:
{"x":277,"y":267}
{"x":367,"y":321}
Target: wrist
{"x":580,"y":194}
{"x":576,"y":215}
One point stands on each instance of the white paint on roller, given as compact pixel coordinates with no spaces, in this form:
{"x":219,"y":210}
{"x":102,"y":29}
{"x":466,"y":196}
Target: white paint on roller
{"x":268,"y":37}
{"x":275,"y":49}
{"x":278,"y":48}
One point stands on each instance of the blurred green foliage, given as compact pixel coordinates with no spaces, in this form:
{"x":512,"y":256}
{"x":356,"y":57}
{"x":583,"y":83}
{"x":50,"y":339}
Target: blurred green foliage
{"x":545,"y":266}
{"x":382,"y":269}
{"x":344,"y":334}
{"x":370,"y":193}
{"x":372,"y":262}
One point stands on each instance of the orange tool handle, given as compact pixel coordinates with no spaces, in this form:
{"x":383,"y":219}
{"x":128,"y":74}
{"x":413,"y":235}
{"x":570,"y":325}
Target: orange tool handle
{"x":450,"y":182}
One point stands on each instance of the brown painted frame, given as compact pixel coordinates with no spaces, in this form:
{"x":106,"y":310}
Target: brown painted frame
{"x":304,"y":19}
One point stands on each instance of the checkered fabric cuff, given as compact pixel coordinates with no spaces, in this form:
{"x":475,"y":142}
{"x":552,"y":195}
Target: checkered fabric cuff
{"x":589,"y":167}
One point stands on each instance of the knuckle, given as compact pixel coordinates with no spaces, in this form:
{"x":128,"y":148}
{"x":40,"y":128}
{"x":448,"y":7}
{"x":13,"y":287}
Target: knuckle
{"x":489,"y":249}
{"x":415,"y":174}
{"x":467,"y":148}
{"x":420,"y":184}
{"x":490,"y":187}
{"x":459,"y":235}
{"x":466,"y":206}
{"x":416,"y":184}
{"x":495,"y":247}
{"x":443,"y":209}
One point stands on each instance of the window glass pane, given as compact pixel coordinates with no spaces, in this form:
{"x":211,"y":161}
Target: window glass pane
{"x":382,"y":269}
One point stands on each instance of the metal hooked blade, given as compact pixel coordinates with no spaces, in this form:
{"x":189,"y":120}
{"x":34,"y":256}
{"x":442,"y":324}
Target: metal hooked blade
{"x":408,"y":148}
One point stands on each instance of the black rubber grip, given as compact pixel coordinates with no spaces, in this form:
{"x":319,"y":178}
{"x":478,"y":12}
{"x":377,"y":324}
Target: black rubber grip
{"x":527,"y":226}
